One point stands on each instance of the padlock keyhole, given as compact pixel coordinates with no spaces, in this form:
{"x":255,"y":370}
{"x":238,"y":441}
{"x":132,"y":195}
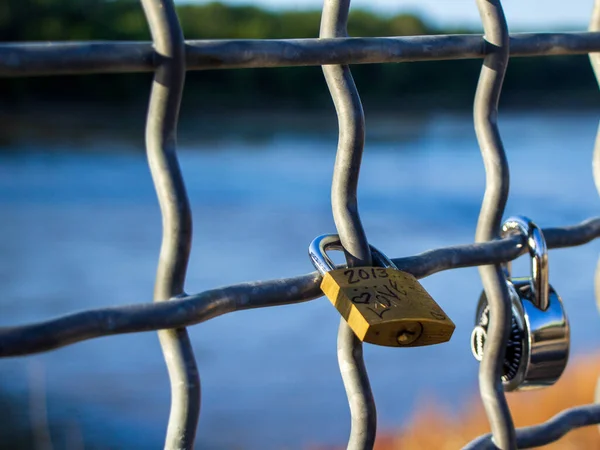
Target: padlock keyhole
{"x":409,"y":333}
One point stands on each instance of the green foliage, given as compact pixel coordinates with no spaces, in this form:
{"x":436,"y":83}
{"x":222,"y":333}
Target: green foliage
{"x":33,"y":20}
{"x":382,"y":85}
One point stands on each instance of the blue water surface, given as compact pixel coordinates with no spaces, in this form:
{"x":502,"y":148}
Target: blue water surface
{"x":82,"y":230}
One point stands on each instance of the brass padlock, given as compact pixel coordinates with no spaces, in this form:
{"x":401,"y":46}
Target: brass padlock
{"x":538,"y":346}
{"x":382,"y":305}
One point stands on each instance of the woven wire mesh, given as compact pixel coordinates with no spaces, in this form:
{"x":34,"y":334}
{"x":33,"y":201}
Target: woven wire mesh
{"x":170,"y":56}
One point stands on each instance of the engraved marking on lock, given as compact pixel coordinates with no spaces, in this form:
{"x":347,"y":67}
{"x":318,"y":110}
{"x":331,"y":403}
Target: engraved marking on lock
{"x":394,"y":285}
{"x":365,"y":297}
{"x":385,"y":295}
{"x":381,"y":304}
{"x":386,"y":306}
{"x":437,"y":315}
{"x":357,"y":274}
{"x":390,"y":295}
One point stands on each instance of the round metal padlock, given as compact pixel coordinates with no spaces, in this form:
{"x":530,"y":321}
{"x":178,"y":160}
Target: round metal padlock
{"x":538,"y":347}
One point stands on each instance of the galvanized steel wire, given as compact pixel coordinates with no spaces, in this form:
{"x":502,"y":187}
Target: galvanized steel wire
{"x":344,"y":204}
{"x":61,"y":58}
{"x":193,"y":309}
{"x":161,"y":145}
{"x":547,"y":432}
{"x":169,"y":56}
{"x":485,"y":115}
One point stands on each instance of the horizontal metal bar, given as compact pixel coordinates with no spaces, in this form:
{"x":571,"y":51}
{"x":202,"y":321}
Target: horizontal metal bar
{"x":60,"y":58}
{"x":494,"y":252}
{"x":193,"y":309}
{"x":547,"y":432}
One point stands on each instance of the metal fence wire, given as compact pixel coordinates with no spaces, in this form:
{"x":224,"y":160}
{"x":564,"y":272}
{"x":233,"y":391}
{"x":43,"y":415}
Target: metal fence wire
{"x":169,"y":56}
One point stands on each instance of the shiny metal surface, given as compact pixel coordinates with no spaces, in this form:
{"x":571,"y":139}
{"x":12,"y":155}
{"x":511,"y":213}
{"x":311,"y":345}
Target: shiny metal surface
{"x":538,"y":345}
{"x":536,"y":245}
{"x":544,"y":338}
{"x":548,"y":337}
{"x":479,"y":334}
{"x":317,"y":251}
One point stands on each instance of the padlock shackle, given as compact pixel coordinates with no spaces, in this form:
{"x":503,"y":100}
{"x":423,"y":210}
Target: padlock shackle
{"x":317,"y":251}
{"x":318,"y":256}
{"x":538,"y":252}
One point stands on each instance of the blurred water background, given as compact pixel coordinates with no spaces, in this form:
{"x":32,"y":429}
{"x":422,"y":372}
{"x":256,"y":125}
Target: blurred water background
{"x":81,"y":229}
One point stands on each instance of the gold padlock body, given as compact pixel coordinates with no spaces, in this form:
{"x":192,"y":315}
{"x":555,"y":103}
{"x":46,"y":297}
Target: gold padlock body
{"x":385,"y":306}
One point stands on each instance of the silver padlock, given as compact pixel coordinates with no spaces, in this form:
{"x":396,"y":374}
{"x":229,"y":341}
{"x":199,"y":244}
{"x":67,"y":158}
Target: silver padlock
{"x":538,"y":345}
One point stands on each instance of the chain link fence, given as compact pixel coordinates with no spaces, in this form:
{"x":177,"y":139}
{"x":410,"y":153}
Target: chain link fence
{"x":169,"y":57}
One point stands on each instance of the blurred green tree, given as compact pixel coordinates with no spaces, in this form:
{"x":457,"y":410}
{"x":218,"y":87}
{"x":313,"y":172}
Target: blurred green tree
{"x":390,"y":85}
